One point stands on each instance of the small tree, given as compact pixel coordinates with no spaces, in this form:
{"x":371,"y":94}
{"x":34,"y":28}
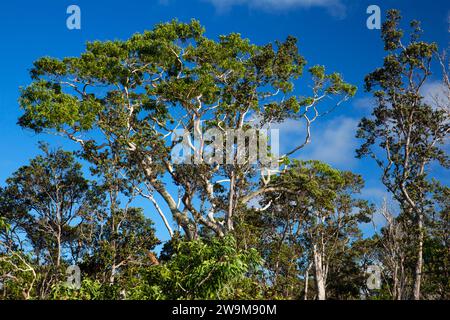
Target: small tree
{"x":320,"y":214}
{"x":45,"y":205}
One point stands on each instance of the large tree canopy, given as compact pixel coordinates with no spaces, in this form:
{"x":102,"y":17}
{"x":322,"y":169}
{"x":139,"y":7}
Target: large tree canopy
{"x":123,"y":100}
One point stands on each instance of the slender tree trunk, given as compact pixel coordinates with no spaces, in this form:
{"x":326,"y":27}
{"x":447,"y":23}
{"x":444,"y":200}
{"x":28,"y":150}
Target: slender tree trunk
{"x":114,"y":231}
{"x":58,"y":243}
{"x":396,"y":284}
{"x":229,"y":216}
{"x":419,"y":263}
{"x":401,"y":288}
{"x":307,"y":281}
{"x":112,"y":277}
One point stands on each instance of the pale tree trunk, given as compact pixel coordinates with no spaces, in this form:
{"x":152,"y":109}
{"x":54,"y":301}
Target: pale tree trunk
{"x":401,"y":289}
{"x":113,"y":198}
{"x":112,"y":277}
{"x":307,"y":281}
{"x":419,"y":263}
{"x":58,"y":234}
{"x":393,"y":250}
{"x":396,"y":291}
{"x":58,"y":244}
{"x":319,"y":274}
{"x":229,"y":216}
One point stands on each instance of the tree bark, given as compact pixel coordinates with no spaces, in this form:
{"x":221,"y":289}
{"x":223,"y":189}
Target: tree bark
{"x":319,"y":275}
{"x":419,"y":263}
{"x":307,"y":281}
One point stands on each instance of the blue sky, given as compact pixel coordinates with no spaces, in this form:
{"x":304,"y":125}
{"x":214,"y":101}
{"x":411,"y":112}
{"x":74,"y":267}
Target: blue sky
{"x":330,"y":32}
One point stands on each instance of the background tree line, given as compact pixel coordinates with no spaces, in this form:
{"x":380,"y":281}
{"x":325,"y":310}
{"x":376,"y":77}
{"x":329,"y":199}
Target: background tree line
{"x":121,"y":101}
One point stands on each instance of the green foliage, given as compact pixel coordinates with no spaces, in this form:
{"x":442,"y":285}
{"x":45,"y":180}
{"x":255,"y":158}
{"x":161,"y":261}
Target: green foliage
{"x":120,"y":101}
{"x":312,"y":205}
{"x":89,"y":290}
{"x":200,"y":269}
{"x":3,"y":224}
{"x":135,"y":92}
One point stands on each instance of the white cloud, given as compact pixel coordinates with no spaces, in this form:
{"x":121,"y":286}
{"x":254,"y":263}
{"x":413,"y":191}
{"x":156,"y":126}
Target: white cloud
{"x":436,"y":94}
{"x":334,"y":6}
{"x":333,"y":142}
{"x":375,"y":194}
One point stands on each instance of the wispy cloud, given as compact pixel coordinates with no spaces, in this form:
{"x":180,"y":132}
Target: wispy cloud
{"x":375,"y":194}
{"x":436,"y":94}
{"x":332,"y":141}
{"x":335,"y":7}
